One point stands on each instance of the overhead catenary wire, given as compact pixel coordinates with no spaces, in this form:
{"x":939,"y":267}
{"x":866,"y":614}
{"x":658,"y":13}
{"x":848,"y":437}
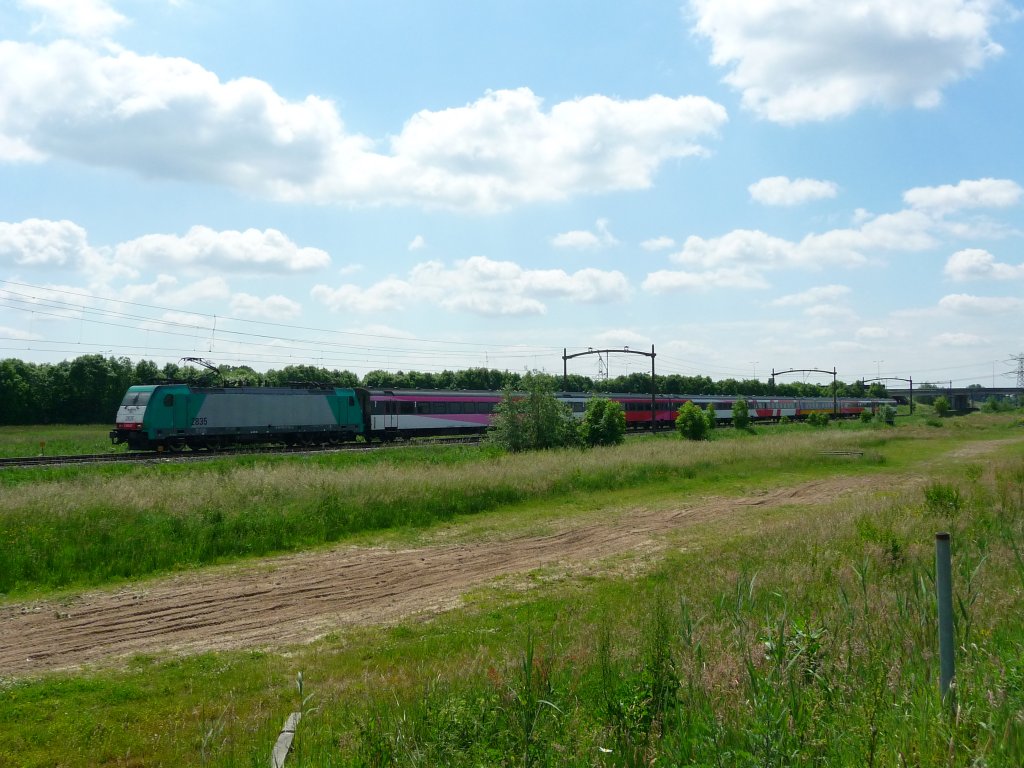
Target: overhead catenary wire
{"x":243,"y":341}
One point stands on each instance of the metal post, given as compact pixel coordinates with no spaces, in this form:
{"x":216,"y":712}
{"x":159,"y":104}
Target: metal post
{"x":835,"y":395}
{"x":911,"y":380}
{"x":654,"y":394}
{"x":565,"y":370}
{"x":944,"y":593}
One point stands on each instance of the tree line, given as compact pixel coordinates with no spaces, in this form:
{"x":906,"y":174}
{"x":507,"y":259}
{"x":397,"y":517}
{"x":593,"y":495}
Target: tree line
{"x":88,"y":389}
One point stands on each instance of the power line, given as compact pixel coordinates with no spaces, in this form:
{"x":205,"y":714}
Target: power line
{"x":268,"y":323}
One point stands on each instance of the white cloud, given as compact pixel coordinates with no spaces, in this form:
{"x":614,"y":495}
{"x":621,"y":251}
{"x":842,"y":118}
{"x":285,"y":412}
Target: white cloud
{"x":741,"y":258}
{"x":417,"y":243}
{"x":82,"y":19}
{"x":957,"y":340}
{"x":658,"y":244}
{"x":979,"y":193}
{"x":618,"y":338}
{"x":873,"y":332}
{"x":667,"y":280}
{"x":830,"y":311}
{"x":585,"y":239}
{"x":978,"y":264}
{"x":275,"y":307}
{"x":816,"y":295}
{"x":966,"y":304}
{"x":15,"y":334}
{"x":478,"y":285}
{"x":43,"y":243}
{"x":389,"y":294}
{"x":167,"y":291}
{"x":171,"y":118}
{"x":781,"y":190}
{"x":903,"y":231}
{"x":800,"y":60}
{"x":252,"y":250}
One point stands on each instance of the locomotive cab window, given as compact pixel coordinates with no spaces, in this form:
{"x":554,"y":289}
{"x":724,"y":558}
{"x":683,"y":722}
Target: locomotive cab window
{"x":136,"y":398}
{"x":168,"y":400}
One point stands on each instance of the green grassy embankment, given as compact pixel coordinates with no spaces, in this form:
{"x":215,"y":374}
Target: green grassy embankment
{"x":808,"y":640}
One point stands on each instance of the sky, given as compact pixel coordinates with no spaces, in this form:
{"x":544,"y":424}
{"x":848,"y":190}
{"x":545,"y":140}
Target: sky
{"x":745,"y":187}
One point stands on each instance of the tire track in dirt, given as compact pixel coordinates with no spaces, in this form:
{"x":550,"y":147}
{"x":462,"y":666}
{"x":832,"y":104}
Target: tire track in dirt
{"x":296,"y":598}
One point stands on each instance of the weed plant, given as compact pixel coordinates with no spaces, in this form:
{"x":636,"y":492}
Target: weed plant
{"x":817,"y":647}
{"x":93,"y":527}
{"x":811,"y":640}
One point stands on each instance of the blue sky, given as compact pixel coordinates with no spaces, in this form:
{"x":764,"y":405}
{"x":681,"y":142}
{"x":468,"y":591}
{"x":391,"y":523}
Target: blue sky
{"x":415,"y":186}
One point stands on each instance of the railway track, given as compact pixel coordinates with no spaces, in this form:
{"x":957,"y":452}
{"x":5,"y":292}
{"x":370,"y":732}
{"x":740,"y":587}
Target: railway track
{"x":206,"y":455}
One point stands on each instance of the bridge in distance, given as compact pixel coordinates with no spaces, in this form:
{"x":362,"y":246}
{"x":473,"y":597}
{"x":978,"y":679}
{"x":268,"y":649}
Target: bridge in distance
{"x":960,"y":398}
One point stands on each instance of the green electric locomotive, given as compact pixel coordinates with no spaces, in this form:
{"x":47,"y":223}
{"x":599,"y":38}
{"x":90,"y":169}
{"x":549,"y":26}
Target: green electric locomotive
{"x":176,"y":416}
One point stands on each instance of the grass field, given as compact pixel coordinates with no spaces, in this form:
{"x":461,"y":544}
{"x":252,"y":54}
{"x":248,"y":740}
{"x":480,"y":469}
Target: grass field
{"x":56,"y":440}
{"x":806,"y":639}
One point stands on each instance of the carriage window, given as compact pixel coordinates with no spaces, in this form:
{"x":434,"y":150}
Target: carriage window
{"x":406,"y":407}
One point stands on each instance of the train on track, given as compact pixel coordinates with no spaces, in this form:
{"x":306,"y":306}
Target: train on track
{"x":173,"y":417}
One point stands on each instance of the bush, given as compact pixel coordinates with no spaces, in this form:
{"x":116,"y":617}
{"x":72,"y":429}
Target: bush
{"x":604,"y":422}
{"x":941,"y":405}
{"x":691,"y":422}
{"x":740,"y":414}
{"x":887,"y":414}
{"x":711,"y":417}
{"x":819,"y":419}
{"x":534,"y":419}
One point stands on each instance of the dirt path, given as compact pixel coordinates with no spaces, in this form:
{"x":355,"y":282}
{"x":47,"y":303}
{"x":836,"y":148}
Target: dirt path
{"x":297,"y":598}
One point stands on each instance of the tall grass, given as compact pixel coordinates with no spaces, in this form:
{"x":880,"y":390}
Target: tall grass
{"x":811,"y":640}
{"x":95,"y":527}
{"x":817,"y":646}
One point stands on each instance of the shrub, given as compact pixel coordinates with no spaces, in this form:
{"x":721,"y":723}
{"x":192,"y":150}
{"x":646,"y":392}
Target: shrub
{"x":941,"y":405}
{"x":818,"y":419}
{"x":711,"y":417}
{"x":740,"y":414}
{"x":691,"y":422}
{"x":534,"y":419}
{"x":604,"y":422}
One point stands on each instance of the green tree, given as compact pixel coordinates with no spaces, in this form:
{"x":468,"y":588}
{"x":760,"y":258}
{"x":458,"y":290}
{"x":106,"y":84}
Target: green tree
{"x":691,"y":422}
{"x":711,"y":417}
{"x":533,"y":419}
{"x":941,"y":405}
{"x":18,"y":393}
{"x":604,"y":422}
{"x":146,"y":372}
{"x":877,"y":390}
{"x":740,"y":414}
